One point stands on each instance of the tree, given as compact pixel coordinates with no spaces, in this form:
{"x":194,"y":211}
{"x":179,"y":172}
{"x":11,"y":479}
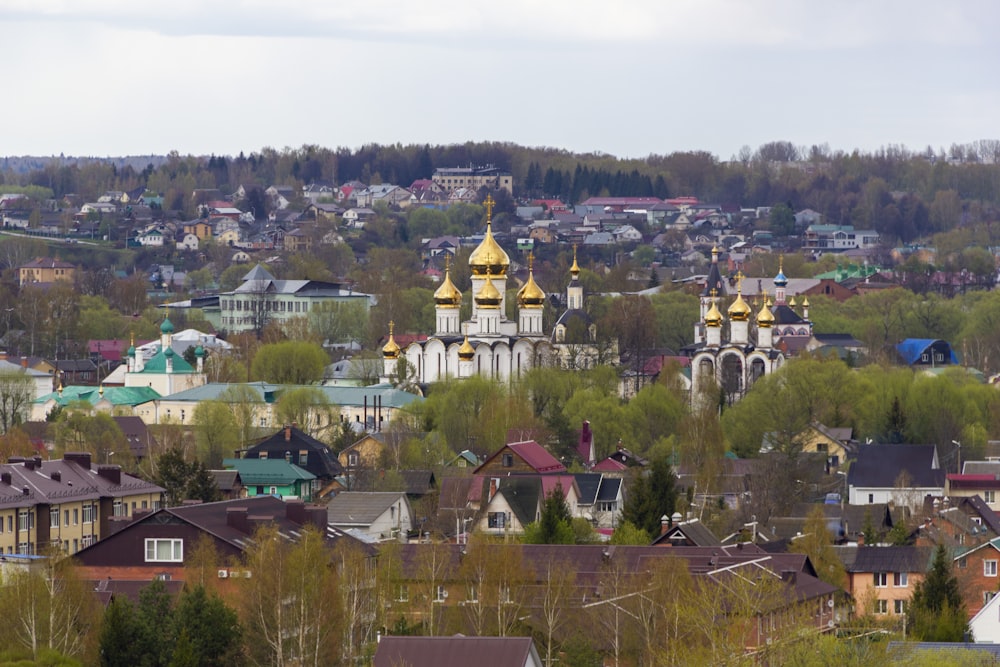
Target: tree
{"x":340,"y":322}
{"x":211,"y":629}
{"x":99,"y":434}
{"x":184,"y":481}
{"x":120,"y":635}
{"x":289,"y":362}
{"x":936,"y":608}
{"x":558,"y":585}
{"x":553,"y":526}
{"x":215,"y":432}
{"x":627,"y":534}
{"x":817,"y":543}
{"x":16,"y":394}
{"x":781,"y":220}
{"x":651,"y":497}
{"x":309,"y":408}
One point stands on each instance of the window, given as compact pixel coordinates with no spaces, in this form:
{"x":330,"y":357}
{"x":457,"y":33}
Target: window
{"x":473,"y":594}
{"x":990,"y":496}
{"x":403,"y":593}
{"x":962,"y":562}
{"x":988,"y":595}
{"x":119,"y":507}
{"x":881,"y":606}
{"x":76,"y":546}
{"x":87,"y":541}
{"x":989,"y":568}
{"x":303,"y":457}
{"x":880,"y":580}
{"x":24,"y":548}
{"x":607,"y":506}
{"x":54,"y":517}
{"x":25,"y":521}
{"x":899,"y":607}
{"x":88,"y":514}
{"x":899,"y":579}
{"x":440,"y":594}
{"x":273,"y":490}
{"x":352,"y":458}
{"x":497,"y":520}
{"x":164,"y":551}
{"x":508,"y":460}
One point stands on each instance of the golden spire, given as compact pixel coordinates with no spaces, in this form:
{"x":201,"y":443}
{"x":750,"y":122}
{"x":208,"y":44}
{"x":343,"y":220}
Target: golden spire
{"x":466,"y":352}
{"x":391,"y":350}
{"x":575,"y":269}
{"x":489,"y":257}
{"x":100,"y":390}
{"x":739,"y":311}
{"x":531,"y":295}
{"x":765,"y":318}
{"x":447,"y":294}
{"x":713,"y":318}
{"x":805,"y":302}
{"x":791,"y":302}
{"x":489,"y":296}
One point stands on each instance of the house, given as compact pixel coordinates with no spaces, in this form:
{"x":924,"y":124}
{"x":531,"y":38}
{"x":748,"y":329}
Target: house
{"x":77,"y":371}
{"x":918,"y":352}
{"x":957,"y":522}
{"x":274,"y":477}
{"x":45,"y":270}
{"x":520,"y":457}
{"x":355,"y":218}
{"x":509,"y":504}
{"x":229,"y":484}
{"x":295,"y":446}
{"x":152,"y":238}
{"x":373,"y":516}
{"x":365,"y":453}
{"x":473,"y":178}
{"x":985,"y":485}
{"x":157,"y":545}
{"x":457,"y":651}
{"x":881,"y":579}
{"x":298,"y":240}
{"x":600,"y":499}
{"x":67,"y":502}
{"x":186,"y":240}
{"x":977,"y":574}
{"x":141,"y":442}
{"x":836,"y":444}
{"x":985,"y":623}
{"x":902,"y":474}
{"x":690,"y":533}
{"x":41,"y":381}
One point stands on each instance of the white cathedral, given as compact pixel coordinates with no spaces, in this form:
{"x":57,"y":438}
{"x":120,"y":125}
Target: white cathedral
{"x":489,"y":344}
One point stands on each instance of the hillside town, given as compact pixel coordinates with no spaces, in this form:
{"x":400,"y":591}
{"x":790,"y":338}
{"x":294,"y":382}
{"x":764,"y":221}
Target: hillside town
{"x":258,"y":414}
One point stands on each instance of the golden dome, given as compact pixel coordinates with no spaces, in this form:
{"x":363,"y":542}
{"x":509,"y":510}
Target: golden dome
{"x":390,"y":350}
{"x":466,"y":352}
{"x":805,"y":302}
{"x":531,"y":295}
{"x":739,"y":311}
{"x":575,"y":269}
{"x":489,"y":257}
{"x":765,"y":318}
{"x":489,"y":296}
{"x":713,"y":318}
{"x":791,"y":302}
{"x":447,"y":294}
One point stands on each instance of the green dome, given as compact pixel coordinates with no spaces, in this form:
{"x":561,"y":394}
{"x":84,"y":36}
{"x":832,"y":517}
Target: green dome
{"x":168,"y":353}
{"x":166,"y":327}
{"x":199,"y":351}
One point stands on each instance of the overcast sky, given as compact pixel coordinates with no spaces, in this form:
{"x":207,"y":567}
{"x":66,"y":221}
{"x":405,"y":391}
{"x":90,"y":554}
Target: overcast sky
{"x":629,"y":77}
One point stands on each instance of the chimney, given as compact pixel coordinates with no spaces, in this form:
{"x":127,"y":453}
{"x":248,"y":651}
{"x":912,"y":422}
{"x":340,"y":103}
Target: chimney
{"x":318,"y":517}
{"x":29,"y":464}
{"x":789,"y":576}
{"x":111,"y":473}
{"x":664,"y":524}
{"x":26,"y":491}
{"x":288,"y":432}
{"x":56,"y":476}
{"x":24,"y":362}
{"x":236,"y":517}
{"x":5,"y":478}
{"x":38,"y":461}
{"x":861,"y":539}
{"x":82,"y":459}
{"x":295,"y":511}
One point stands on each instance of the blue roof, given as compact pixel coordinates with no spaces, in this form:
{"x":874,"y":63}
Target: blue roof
{"x":911,"y":349}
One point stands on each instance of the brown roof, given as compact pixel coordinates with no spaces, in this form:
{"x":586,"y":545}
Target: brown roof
{"x":457,"y":651}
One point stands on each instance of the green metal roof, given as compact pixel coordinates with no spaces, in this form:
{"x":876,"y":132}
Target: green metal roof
{"x":115,"y":395}
{"x":268,"y":471}
{"x":389,"y":396}
{"x":158,"y":364}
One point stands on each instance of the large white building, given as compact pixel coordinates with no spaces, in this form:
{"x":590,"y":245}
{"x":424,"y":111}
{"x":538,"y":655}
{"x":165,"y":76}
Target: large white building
{"x":488,"y":343}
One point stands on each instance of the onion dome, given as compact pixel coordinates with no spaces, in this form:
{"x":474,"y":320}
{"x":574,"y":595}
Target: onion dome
{"x":765,"y":318}
{"x":805,"y":302}
{"x":466,"y":352}
{"x":791,"y":302}
{"x":489,"y":257}
{"x":713,"y":318}
{"x":780,"y":280}
{"x":447,"y":294}
{"x":575,"y":269}
{"x":100,"y":390}
{"x":390,"y":350}
{"x":169,"y":353}
{"x":530,"y":295}
{"x":199,"y":351}
{"x":166,"y":327}
{"x":739,"y":311}
{"x":489,"y":296}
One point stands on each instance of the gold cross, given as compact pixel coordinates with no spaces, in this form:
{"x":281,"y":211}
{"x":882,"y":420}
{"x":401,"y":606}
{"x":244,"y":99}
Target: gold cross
{"x":489,"y":202}
{"x":739,"y":280}
{"x":391,"y":325}
{"x":531,"y":260}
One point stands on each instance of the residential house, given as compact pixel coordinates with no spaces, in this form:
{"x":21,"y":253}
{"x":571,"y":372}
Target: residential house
{"x":473,"y":178}
{"x":509,"y":504}
{"x":926,"y":352}
{"x":157,"y":546}
{"x":881,"y":579}
{"x":600,"y":500}
{"x":977,"y":573}
{"x":186,"y":240}
{"x":457,"y":651}
{"x":355,"y":218}
{"x":902,"y":474}
{"x":201,"y":228}
{"x":295,"y":446}
{"x":77,"y":371}
{"x":373,"y":516}
{"x":41,"y":380}
{"x":45,"y":270}
{"x":274,"y":477}
{"x":66,"y":502}
{"x":281,"y":196}
{"x":520,"y":457}
{"x":152,"y":238}
{"x":141,"y":441}
{"x":957,"y":522}
{"x":298,"y":240}
{"x":229,"y":483}
{"x":690,"y":533}
{"x":316,"y":191}
{"x":985,"y":624}
{"x":984,"y":485}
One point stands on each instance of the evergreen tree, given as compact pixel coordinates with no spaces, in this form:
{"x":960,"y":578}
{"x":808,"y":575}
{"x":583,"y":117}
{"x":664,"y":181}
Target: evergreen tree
{"x":207,"y":630}
{"x":119,"y":638}
{"x":555,"y":524}
{"x":936,"y":608}
{"x":155,"y":618}
{"x":651,"y":496}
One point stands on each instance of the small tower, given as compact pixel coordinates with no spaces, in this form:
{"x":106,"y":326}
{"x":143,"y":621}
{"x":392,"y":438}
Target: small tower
{"x":574,"y":291}
{"x":713,"y":323}
{"x":199,"y":355}
{"x":466,"y":354}
{"x":739,"y":316}
{"x":530,"y":302}
{"x":780,"y":283}
{"x":390,"y":353}
{"x":130,"y":355}
{"x":489,"y":260}
{"x":765,"y":322}
{"x":168,"y":355}
{"x":447,"y":304}
{"x":714,"y":287}
{"x":488,"y":302}
{"x":166,"y":334}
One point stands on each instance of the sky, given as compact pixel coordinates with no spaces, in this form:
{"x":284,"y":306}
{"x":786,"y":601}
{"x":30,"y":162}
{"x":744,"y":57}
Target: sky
{"x":629,"y":78}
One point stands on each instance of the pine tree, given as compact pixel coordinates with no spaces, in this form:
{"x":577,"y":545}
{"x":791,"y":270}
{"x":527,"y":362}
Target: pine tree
{"x":554,"y":526}
{"x":936,"y":608}
{"x":651,"y":496}
{"x":207,"y":629}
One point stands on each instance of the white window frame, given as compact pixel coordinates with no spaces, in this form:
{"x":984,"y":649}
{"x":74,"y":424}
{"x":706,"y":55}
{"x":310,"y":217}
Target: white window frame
{"x":175,"y":546}
{"x":989,"y":568}
{"x":441,"y":594}
{"x":990,"y":495}
{"x":881,"y":579}
{"x":403,"y":593}
{"x":54,"y":517}
{"x":881,"y":606}
{"x":900,"y":579}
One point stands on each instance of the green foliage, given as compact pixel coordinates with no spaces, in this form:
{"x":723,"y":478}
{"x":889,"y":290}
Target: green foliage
{"x":626,"y":534}
{"x":817,"y":543}
{"x":339,"y":322}
{"x":554,"y":526}
{"x":120,"y":635}
{"x":215,"y":432}
{"x":289,"y":362}
{"x":651,"y":495}
{"x":184,"y":481}
{"x":210,"y":629}
{"x":937,"y":611}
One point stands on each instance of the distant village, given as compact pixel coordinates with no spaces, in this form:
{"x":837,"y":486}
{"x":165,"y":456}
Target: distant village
{"x":839,"y":554}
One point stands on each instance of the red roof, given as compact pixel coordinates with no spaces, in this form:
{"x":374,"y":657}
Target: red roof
{"x":609,"y":465}
{"x":536,"y":456}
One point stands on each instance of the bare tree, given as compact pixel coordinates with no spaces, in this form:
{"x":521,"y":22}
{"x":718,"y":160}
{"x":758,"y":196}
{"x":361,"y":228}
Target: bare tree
{"x":16,"y":394}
